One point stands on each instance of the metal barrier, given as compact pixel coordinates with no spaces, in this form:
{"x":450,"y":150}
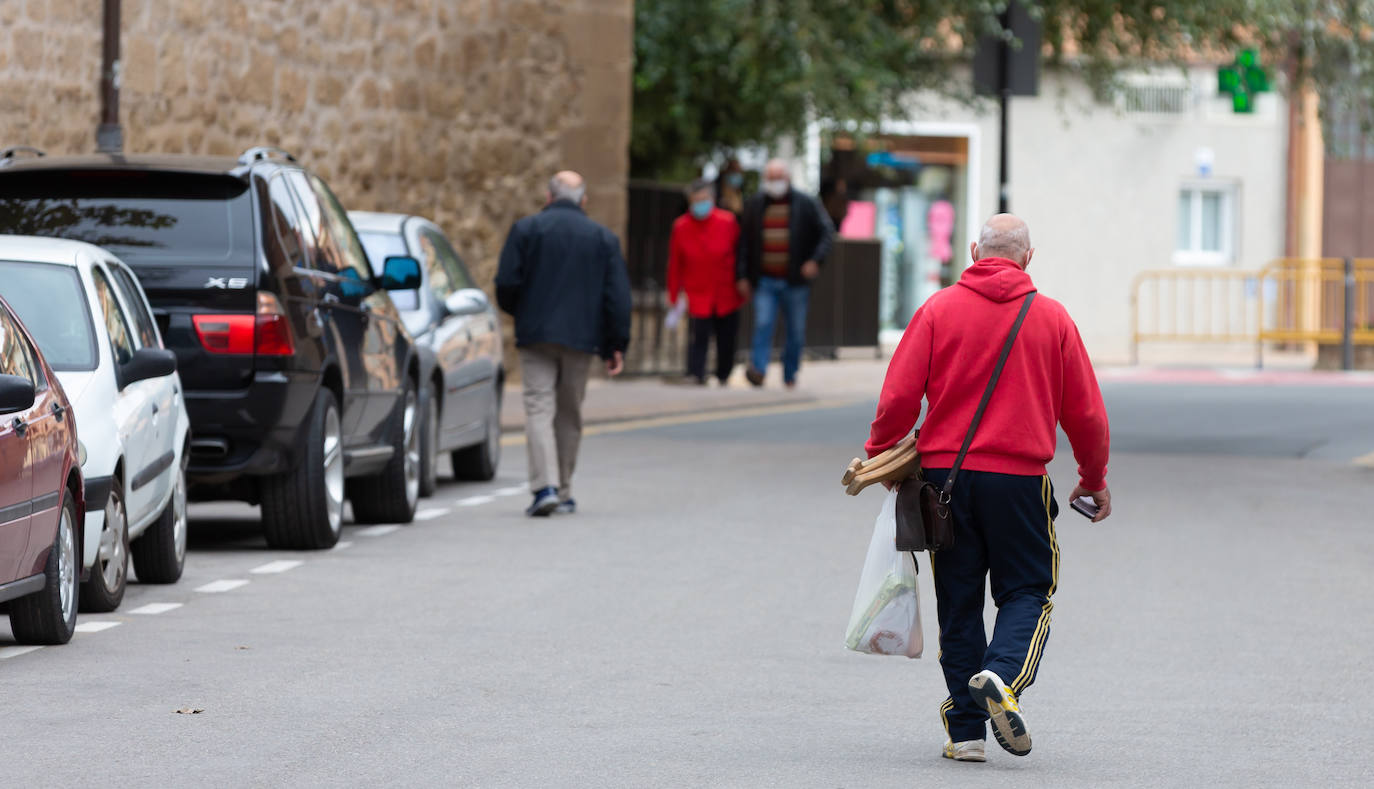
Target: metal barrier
{"x":1326,"y":301}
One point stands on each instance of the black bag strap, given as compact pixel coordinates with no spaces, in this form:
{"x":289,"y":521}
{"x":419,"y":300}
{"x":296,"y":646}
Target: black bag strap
{"x":987,"y":394}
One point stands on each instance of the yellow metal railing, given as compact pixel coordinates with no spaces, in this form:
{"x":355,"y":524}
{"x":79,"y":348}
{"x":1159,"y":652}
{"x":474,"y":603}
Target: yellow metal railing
{"x":1287,"y":301}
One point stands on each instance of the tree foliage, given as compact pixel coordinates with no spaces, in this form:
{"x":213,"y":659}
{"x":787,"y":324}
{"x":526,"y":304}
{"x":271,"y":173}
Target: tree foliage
{"x":715,"y":75}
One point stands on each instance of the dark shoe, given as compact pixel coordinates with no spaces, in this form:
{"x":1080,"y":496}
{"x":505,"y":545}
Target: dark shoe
{"x":754,"y":375}
{"x":545,"y":502}
{"x":568,"y":507}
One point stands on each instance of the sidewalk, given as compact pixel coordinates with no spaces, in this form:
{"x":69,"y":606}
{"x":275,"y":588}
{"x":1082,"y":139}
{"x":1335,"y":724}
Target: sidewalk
{"x":641,"y":398}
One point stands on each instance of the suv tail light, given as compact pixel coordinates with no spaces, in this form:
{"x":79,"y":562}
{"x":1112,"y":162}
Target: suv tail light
{"x":266,"y":333}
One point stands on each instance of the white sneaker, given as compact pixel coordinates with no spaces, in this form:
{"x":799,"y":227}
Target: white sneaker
{"x":966,"y":751}
{"x":1008,"y":724}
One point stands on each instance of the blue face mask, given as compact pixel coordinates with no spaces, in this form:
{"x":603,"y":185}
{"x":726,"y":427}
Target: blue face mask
{"x":702,"y":208}
{"x":734,"y":180}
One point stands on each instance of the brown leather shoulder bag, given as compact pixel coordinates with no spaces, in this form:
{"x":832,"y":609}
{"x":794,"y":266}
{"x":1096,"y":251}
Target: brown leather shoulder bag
{"x":924,"y":520}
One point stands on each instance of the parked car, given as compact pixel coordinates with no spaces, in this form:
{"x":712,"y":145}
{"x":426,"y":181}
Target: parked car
{"x":458,"y":333}
{"x":91,"y":321}
{"x":300,"y":379}
{"x":41,"y":504}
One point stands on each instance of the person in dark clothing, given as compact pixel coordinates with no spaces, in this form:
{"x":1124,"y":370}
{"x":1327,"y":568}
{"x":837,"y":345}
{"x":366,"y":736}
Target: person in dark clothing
{"x":784,"y":237}
{"x":701,"y":265}
{"x":563,"y":278}
{"x":730,"y":188}
{"x":1003,"y":501}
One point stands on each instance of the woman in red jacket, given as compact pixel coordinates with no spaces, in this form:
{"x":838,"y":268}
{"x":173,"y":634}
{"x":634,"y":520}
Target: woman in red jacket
{"x":701,"y":262}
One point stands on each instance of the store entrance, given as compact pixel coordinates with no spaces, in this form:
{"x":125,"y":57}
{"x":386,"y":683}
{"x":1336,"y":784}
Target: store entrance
{"x":911,"y":194}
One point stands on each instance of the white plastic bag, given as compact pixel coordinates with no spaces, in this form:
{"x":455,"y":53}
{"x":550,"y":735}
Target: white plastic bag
{"x":886,"y":619}
{"x":675,"y":316}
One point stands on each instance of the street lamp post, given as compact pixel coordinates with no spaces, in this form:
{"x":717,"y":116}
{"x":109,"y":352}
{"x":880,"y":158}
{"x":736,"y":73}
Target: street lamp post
{"x":109,"y":136}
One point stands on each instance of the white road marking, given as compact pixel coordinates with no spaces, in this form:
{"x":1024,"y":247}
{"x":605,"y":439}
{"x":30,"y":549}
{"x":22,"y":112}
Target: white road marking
{"x":214,"y":587}
{"x":475,"y":501}
{"x":156,"y":608}
{"x":279,"y":566}
{"x":9,"y":652}
{"x":511,"y":491}
{"x":376,"y":531}
{"x":429,"y":515}
{"x":342,"y":544}
{"x":96,"y":627}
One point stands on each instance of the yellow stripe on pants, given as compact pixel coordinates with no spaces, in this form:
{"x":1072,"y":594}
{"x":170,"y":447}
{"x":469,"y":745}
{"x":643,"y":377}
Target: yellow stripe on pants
{"x":1042,"y":627}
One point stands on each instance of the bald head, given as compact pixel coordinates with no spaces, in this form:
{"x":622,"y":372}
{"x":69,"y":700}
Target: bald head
{"x":1004,"y":236}
{"x":569,"y":186}
{"x":776,"y":169}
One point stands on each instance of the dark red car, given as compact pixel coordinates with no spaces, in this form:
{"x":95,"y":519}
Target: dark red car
{"x":41,"y":492}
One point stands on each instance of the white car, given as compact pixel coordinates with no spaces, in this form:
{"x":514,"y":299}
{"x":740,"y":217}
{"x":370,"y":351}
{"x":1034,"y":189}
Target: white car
{"x":91,"y":320}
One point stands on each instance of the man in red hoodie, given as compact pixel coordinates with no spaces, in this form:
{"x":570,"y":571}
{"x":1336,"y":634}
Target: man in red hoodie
{"x":1003,"y":502}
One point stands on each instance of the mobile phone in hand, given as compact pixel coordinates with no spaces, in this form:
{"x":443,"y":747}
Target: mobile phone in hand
{"x":1085,"y":506}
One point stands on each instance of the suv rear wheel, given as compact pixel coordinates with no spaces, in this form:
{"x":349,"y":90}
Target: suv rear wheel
{"x":104,"y":591}
{"x":49,"y":616}
{"x":390,"y":497}
{"x":303,"y":508}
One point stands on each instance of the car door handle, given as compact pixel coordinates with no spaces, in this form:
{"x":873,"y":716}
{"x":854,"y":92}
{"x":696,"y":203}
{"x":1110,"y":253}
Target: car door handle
{"x":58,"y":411}
{"x":20,"y":426}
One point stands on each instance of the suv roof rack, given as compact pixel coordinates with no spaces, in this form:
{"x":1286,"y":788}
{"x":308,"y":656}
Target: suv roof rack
{"x":11,"y":153}
{"x":264,"y":152}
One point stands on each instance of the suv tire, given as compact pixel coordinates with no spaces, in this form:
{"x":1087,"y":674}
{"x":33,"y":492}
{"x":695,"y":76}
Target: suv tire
{"x":104,"y":590}
{"x":391,"y":496}
{"x":303,"y":508}
{"x":429,"y":443}
{"x":49,"y":616}
{"x":479,"y":461}
{"x":160,"y":553}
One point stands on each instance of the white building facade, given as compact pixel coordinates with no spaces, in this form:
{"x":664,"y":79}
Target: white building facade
{"x":1165,"y":174}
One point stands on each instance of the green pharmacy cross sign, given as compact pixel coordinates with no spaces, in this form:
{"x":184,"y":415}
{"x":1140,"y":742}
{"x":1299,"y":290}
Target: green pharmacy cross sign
{"x":1243,"y":80}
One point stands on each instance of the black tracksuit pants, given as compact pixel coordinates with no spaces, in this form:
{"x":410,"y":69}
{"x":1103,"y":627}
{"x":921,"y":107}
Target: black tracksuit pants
{"x":1003,"y":531}
{"x":725,"y":328}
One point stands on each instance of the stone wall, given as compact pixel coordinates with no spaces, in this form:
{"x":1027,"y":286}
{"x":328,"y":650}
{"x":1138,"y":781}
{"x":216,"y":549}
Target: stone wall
{"x":458,"y":110}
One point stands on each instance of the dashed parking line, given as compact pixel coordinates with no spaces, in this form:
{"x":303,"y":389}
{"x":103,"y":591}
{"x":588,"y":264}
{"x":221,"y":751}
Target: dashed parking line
{"x":342,"y":545}
{"x":431,"y":514}
{"x":9,"y":652}
{"x":152,"y":609}
{"x":97,"y":626}
{"x":279,"y":566}
{"x":377,"y":531}
{"x":475,"y":501}
{"x":223,"y":585}
{"x":514,"y":490}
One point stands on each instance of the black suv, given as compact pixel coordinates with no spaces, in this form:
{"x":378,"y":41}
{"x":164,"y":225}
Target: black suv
{"x":300,"y":378}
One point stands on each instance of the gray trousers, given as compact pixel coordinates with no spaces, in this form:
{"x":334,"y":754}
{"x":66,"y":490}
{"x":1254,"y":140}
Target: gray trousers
{"x":555,"y":381}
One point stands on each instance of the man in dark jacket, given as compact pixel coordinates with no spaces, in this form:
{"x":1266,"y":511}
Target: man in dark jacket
{"x":785,"y":236}
{"x":563,"y":278}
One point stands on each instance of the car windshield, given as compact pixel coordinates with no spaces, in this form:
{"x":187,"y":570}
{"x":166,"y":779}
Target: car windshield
{"x":130,"y":213}
{"x":379,"y":247}
{"x":50,"y":301}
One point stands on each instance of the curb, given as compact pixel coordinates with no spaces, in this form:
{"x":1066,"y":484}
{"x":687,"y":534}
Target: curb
{"x":592,"y":420}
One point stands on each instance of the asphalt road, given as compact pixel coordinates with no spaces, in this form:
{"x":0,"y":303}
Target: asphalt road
{"x":685,"y":628}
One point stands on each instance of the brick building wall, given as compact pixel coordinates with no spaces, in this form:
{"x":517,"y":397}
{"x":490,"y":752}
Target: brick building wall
{"x":454,"y":109}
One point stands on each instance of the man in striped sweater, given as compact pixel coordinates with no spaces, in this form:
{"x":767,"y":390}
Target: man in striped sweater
{"x":785,"y":237}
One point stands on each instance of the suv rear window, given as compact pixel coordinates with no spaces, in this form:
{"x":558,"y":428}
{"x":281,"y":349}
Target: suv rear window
{"x":188,"y":217}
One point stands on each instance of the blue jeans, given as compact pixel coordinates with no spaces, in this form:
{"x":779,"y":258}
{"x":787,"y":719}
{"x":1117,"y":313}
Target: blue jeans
{"x":771,"y":294}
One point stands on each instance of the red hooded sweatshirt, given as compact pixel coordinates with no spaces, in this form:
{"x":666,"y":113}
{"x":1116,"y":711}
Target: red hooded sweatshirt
{"x":701,"y":261}
{"x":947,"y":355}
